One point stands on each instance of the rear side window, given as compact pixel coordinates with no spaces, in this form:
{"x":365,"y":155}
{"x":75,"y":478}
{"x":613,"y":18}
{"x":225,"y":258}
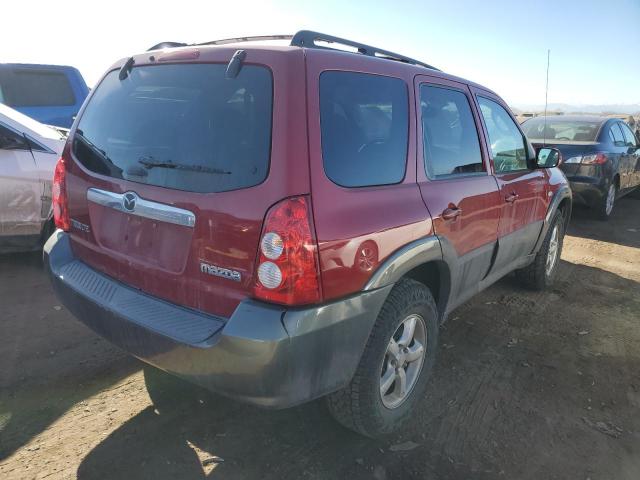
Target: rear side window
{"x":36,"y":88}
{"x":450,"y":137}
{"x":10,"y":140}
{"x":615,"y":133}
{"x":365,"y":126}
{"x":629,"y":137}
{"x":184,"y":127}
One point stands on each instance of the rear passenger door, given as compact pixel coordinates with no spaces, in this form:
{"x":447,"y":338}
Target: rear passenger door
{"x":617,"y":154}
{"x":632,"y":157}
{"x":366,"y":203}
{"x":453,"y":175}
{"x":522,"y":189}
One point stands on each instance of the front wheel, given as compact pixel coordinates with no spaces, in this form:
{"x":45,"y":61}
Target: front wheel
{"x":541,"y":273}
{"x":395,"y":366}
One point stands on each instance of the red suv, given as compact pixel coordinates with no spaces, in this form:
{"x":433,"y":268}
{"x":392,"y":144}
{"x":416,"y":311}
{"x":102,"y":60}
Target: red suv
{"x":282,"y":223}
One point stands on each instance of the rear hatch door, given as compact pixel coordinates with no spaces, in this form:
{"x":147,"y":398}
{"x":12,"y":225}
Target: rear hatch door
{"x":173,"y":169}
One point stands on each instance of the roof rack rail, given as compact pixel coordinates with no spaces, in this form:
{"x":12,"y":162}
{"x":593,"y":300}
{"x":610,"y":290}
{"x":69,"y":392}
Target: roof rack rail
{"x":256,"y":38}
{"x":308,"y":39}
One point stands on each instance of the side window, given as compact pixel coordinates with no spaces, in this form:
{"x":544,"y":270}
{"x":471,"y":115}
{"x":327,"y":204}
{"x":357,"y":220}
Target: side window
{"x":508,"y":146}
{"x":616,"y":135}
{"x":365,"y":128}
{"x":9,"y":140}
{"x":449,"y":133}
{"x":630,"y":138}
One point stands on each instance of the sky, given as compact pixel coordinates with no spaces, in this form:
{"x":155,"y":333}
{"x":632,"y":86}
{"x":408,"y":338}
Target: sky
{"x":502,"y":44}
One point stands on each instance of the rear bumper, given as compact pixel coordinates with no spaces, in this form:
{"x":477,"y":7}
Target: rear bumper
{"x":263,"y":354}
{"x":588,"y":191}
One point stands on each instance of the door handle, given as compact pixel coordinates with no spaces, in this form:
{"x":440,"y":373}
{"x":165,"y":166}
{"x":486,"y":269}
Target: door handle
{"x":512,"y":197}
{"x":451,"y":213}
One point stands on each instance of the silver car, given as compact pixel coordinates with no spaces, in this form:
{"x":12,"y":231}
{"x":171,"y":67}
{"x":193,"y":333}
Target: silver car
{"x":28,"y":154}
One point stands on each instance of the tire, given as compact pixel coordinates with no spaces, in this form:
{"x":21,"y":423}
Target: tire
{"x":540,"y":274}
{"x":361,"y":406}
{"x":47,"y":230}
{"x":604,"y":209}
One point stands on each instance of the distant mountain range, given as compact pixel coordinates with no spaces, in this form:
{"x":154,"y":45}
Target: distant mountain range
{"x":631,"y":109}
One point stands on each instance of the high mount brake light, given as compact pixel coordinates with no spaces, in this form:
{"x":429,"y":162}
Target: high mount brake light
{"x":287,"y":271}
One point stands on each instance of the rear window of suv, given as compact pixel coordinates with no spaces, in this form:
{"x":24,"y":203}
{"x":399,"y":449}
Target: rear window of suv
{"x":184,"y":127}
{"x":365,"y":123}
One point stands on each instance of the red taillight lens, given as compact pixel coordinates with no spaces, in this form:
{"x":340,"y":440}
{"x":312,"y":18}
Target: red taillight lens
{"x":287,"y":270}
{"x":595,"y":159}
{"x":59,"y":197}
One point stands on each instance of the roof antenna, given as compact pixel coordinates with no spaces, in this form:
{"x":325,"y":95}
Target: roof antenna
{"x":546,"y":102}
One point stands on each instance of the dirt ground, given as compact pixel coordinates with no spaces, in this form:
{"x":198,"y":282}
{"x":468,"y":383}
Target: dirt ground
{"x":527,"y":386}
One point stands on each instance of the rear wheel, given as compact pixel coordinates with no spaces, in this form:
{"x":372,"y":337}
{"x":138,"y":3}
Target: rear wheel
{"x":395,"y":366}
{"x":541,"y":273}
{"x":604,"y":208}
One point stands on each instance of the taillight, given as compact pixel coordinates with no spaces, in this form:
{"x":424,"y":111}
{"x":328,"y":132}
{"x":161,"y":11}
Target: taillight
{"x":595,"y":159}
{"x":287,"y":271}
{"x":59,"y":197}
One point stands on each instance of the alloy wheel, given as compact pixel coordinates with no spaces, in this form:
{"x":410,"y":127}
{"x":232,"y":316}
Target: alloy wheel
{"x":403,"y":361}
{"x":554,"y":246}
{"x":611,"y":199}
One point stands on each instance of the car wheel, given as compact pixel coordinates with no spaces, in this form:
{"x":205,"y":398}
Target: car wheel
{"x":541,"y":273}
{"x":605,"y":207}
{"x":47,"y":230}
{"x":395,"y":366}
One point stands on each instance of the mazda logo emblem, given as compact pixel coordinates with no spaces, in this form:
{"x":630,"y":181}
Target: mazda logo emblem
{"x":129,"y":200}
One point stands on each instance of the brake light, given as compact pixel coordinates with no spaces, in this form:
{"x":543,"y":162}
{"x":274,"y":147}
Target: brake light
{"x":59,"y":197}
{"x":595,"y":159}
{"x":287,"y":270}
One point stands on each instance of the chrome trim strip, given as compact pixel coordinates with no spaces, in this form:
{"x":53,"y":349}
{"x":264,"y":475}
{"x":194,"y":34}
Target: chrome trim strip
{"x":143,"y":208}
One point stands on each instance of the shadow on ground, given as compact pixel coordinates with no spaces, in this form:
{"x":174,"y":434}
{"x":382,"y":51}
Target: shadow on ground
{"x":623,"y":228}
{"x":528,"y":385}
{"x":49,"y":361}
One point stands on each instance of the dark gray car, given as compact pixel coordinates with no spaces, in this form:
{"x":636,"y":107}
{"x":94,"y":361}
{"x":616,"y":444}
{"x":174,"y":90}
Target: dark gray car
{"x":600,"y":156}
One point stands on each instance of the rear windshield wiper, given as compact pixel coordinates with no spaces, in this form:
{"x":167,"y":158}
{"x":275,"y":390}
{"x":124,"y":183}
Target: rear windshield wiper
{"x":149,"y":163}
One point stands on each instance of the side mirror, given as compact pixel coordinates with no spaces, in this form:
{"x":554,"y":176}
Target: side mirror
{"x":548,"y":158}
